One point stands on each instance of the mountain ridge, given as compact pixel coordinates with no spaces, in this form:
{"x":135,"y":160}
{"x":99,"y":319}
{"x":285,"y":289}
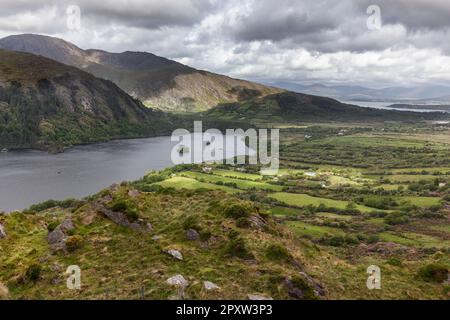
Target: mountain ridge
{"x":48,"y":105}
{"x":158,"y":82}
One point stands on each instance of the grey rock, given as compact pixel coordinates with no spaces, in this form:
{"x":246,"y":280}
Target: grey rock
{"x":258,"y":297}
{"x":293,"y":291}
{"x":192,"y":235}
{"x":121,"y":219}
{"x":257,"y":222}
{"x":178,"y":281}
{"x":56,"y":236}
{"x":175,"y":253}
{"x":208,"y":285}
{"x":67,"y":225}
{"x":2,"y":231}
{"x":317,"y":287}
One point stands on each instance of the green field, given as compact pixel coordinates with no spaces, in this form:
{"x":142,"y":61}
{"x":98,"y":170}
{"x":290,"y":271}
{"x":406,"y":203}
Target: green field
{"x":306,"y":229}
{"x":241,"y":184}
{"x":237,"y":174}
{"x":303,"y":200}
{"x":192,"y":184}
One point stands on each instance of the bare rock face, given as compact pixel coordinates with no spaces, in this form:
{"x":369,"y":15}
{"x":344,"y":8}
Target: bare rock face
{"x":2,"y":232}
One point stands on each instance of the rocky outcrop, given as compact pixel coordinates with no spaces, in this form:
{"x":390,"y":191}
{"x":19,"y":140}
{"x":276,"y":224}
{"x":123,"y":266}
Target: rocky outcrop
{"x":58,"y":237}
{"x":2,"y":232}
{"x":121,"y":219}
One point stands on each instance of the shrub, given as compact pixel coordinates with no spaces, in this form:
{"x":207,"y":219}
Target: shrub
{"x":242,"y":222}
{"x":335,"y":241}
{"x":433,"y":273}
{"x":205,"y":235}
{"x":394,"y":262}
{"x":238,"y":210}
{"x":191,"y":222}
{"x":277,"y":252}
{"x":396,"y":218}
{"x":236,"y":247}
{"x":126,"y":208}
{"x":74,"y":242}
{"x":33,"y":273}
{"x":373,"y":238}
{"x":300,"y":283}
{"x":52,"y":226}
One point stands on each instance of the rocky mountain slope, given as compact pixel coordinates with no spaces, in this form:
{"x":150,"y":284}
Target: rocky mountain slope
{"x":49,"y":105}
{"x":158,"y":82}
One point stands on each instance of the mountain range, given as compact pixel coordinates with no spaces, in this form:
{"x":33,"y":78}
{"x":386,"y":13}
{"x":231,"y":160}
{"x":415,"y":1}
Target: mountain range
{"x":413,"y":94}
{"x":54,"y":95}
{"x":156,"y":81}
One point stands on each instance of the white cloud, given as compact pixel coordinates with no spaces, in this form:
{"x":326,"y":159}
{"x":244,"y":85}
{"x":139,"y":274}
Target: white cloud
{"x":265,"y":40}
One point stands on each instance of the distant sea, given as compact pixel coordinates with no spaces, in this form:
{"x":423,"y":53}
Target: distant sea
{"x":385,"y":106}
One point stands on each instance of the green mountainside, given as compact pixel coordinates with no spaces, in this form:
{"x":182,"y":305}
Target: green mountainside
{"x":156,"y":81}
{"x":48,"y":105}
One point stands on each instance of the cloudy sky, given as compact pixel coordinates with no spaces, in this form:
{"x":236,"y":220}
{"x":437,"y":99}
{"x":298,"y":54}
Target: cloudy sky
{"x":304,"y":41}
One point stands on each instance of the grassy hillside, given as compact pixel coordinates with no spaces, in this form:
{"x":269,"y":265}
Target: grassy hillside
{"x":45,"y":104}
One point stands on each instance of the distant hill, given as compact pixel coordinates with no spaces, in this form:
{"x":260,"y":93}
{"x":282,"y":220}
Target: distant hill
{"x":297,"y":107}
{"x":48,"y":105}
{"x":158,"y":82}
{"x":359,"y":93}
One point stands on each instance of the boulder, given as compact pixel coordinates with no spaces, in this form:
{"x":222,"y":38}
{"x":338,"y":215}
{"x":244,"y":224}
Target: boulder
{"x":178,"y":281}
{"x":192,"y":235}
{"x":208,"y":285}
{"x":67,"y":225}
{"x":2,"y":231}
{"x":56,"y":236}
{"x":175,"y":253}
